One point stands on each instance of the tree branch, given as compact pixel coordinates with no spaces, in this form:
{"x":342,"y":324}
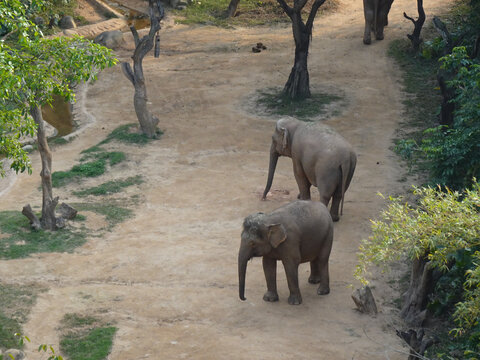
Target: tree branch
{"x":442,"y":29}
{"x":135,"y":35}
{"x":298,"y":5}
{"x":311,"y":17}
{"x":127,"y":71}
{"x":288,"y":10}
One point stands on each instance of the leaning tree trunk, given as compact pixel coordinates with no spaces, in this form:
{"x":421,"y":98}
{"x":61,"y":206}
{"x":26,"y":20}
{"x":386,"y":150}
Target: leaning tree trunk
{"x":298,"y":84}
{"x":422,"y":283}
{"x":148,"y":122}
{"x":48,"y":220}
{"x":418,"y":24}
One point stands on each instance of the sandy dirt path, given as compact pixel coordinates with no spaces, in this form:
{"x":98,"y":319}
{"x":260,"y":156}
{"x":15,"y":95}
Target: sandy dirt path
{"x":168,"y":276}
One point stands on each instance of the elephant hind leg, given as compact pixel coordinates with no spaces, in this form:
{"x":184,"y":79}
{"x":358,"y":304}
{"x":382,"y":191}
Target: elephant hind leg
{"x":319,"y":275}
{"x":314,"y":277}
{"x":337,"y":198}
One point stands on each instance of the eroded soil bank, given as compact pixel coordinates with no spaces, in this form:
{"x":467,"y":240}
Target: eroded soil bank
{"x":167,"y":277}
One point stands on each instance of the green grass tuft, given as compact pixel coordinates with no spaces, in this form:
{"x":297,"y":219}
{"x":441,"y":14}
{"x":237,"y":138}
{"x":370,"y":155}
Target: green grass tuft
{"x":21,"y":241}
{"x":274,"y":103}
{"x":113,"y":213}
{"x":86,"y":338}
{"x":110,"y":187}
{"x":16,"y":302}
{"x":88,"y":169}
{"x":129,"y":134}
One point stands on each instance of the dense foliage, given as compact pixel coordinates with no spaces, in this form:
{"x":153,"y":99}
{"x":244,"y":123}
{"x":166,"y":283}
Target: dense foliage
{"x":33,"y":69}
{"x":444,"y":227}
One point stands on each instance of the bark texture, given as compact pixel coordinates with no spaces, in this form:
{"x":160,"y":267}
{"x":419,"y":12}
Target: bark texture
{"x":422,"y":283}
{"x":148,"y":122}
{"x":48,"y":220}
{"x":298,"y":84}
{"x":232,"y":8}
{"x":416,"y":342}
{"x":364,"y":300}
{"x":418,"y":24}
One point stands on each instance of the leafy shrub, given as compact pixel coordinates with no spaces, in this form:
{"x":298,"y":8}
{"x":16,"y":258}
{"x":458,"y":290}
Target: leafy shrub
{"x":444,"y":227}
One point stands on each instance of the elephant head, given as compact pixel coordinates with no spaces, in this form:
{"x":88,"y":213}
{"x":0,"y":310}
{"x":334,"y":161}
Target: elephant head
{"x":258,"y":239}
{"x":281,"y":146}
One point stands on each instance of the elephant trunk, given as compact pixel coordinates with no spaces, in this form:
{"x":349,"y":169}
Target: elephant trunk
{"x":243,"y":257}
{"x":271,"y":170}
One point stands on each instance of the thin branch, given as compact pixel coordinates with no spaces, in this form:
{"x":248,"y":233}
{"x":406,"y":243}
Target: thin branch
{"x":316,"y":5}
{"x":127,"y":71}
{"x":135,"y":35}
{"x":409,"y":18}
{"x":288,"y":10}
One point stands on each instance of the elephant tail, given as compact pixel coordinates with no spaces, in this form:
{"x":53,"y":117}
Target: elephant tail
{"x":347,"y":171}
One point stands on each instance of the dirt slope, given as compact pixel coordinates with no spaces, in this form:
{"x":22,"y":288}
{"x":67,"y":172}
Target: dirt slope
{"x":168,"y":276}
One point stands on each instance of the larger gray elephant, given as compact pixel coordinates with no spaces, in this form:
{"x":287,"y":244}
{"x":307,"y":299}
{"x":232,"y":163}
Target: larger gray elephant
{"x":320,"y":156}
{"x":295,"y":233}
{"x":376,"y":18}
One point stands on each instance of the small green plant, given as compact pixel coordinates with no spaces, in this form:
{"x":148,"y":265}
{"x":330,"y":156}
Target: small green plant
{"x":20,"y":241}
{"x":110,"y":187}
{"x":129,"y":134}
{"x":273,"y":102}
{"x":86,"y":337}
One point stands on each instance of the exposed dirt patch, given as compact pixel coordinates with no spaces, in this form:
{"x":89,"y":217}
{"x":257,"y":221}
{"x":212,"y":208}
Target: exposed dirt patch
{"x":168,"y":276}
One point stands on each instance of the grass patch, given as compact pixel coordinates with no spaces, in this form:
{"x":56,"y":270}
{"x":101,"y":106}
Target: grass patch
{"x":110,"y":187}
{"x":113,"y":213}
{"x":274,"y":103}
{"x":86,"y":337}
{"x":20,"y":241}
{"x":249,"y":12}
{"x":88,"y":169}
{"x":129,"y":134}
{"x":16,"y":302}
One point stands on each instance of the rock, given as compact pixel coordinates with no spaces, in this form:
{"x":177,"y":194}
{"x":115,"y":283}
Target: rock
{"x":39,"y":21}
{"x":110,"y":39}
{"x":67,"y":22}
{"x":28,"y":148}
{"x":364,"y":300}
{"x":17,"y":354}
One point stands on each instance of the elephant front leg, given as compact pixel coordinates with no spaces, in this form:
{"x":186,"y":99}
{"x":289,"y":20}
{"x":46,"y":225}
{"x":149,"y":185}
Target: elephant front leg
{"x":270,"y":270}
{"x":291,"y":270}
{"x":302,"y":181}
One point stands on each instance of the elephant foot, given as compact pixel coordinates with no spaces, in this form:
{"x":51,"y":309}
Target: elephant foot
{"x":303,"y":197}
{"x":314,"y":280}
{"x":379,"y":37}
{"x":323,"y":290}
{"x":270,"y":296}
{"x":295,"y":299}
{"x":335,"y":217}
{"x":367,"y":41}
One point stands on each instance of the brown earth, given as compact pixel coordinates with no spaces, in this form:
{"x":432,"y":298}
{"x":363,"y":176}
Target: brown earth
{"x":167,"y":277}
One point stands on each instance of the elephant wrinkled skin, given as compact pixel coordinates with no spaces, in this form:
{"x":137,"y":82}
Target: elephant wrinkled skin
{"x":320,"y":156}
{"x":376,"y":18}
{"x":295,"y":233}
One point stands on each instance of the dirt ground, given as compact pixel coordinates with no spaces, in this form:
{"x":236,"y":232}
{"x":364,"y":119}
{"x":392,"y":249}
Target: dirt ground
{"x":167,"y":277}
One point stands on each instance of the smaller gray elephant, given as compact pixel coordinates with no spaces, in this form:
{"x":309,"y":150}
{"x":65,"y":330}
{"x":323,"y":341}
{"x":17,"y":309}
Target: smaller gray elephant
{"x":295,"y":233}
{"x":320,"y":157}
{"x":376,"y":18}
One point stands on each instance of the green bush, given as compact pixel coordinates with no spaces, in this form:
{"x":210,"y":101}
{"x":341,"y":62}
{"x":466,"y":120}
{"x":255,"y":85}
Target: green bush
{"x":444,"y":227}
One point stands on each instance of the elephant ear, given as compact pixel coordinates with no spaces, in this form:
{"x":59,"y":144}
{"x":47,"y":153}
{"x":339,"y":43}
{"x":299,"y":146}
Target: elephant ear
{"x":276,"y":234}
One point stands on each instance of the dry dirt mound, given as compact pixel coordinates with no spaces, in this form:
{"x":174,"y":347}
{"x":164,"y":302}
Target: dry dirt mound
{"x":168,"y":276}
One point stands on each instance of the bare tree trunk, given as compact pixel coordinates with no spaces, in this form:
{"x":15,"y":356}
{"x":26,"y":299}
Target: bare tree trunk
{"x":148,"y":122}
{"x":232,"y":8}
{"x":415,"y":36}
{"x":298,"y":84}
{"x":48,"y":220}
{"x":416,"y":342}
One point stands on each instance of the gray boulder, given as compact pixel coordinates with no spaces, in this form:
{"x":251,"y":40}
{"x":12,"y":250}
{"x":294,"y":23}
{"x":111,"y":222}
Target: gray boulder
{"x":67,"y":22}
{"x":110,"y":39}
{"x":17,"y":354}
